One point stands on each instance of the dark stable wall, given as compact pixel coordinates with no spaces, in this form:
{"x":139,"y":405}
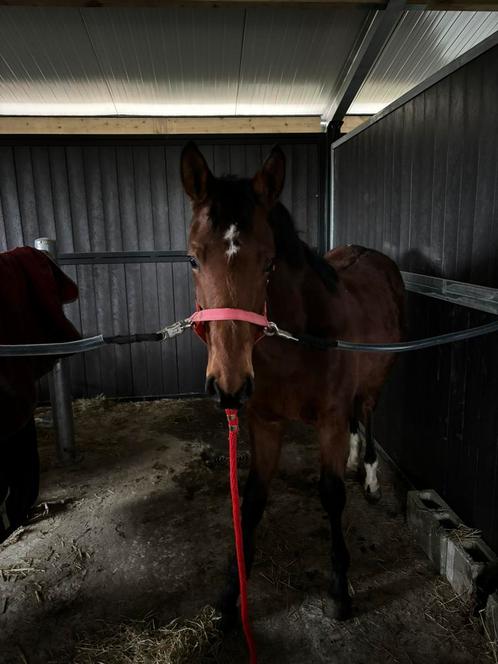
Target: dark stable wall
{"x":124,"y":194}
{"x":421,"y":185}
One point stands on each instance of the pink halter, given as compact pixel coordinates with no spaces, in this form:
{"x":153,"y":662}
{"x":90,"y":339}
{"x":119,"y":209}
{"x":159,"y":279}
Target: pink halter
{"x":202,"y":316}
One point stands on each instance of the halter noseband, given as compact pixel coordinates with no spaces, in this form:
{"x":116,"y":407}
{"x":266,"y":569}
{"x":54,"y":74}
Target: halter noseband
{"x":202,"y":316}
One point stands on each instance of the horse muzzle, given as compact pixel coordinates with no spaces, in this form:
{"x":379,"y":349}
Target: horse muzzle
{"x":230,"y":400}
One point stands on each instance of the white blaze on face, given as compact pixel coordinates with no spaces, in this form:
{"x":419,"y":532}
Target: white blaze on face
{"x":371,"y":481}
{"x":231,"y":237}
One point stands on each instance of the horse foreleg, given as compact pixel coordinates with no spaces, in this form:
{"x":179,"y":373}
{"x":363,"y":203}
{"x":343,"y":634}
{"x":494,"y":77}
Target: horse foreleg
{"x":334,"y":440}
{"x":265,"y":440}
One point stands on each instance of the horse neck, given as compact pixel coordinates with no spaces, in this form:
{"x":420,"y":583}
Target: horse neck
{"x":297,"y":298}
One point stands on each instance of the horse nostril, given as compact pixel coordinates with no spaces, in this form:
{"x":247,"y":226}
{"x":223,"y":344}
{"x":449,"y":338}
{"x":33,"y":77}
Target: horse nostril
{"x":226,"y":400}
{"x":211,"y":386}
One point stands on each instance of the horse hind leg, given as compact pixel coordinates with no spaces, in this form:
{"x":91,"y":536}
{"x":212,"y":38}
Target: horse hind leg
{"x":355,"y":442}
{"x":372,"y":487}
{"x":355,"y":447}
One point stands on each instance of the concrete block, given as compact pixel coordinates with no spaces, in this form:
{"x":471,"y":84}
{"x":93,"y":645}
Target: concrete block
{"x":431,"y":520}
{"x":464,"y":562}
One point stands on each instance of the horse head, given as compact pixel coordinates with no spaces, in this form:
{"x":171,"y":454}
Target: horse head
{"x":232,"y":252}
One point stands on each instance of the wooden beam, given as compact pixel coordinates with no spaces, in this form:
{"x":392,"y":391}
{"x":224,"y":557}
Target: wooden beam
{"x":350,"y":122}
{"x":160,"y":125}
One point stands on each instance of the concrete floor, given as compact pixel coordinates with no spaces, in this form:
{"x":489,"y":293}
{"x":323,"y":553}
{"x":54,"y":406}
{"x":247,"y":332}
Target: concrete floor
{"x":141,"y":527}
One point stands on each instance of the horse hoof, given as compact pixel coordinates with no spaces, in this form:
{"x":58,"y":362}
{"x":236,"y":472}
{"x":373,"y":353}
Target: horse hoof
{"x":340,"y":609}
{"x":373,"y":496}
{"x":228,"y":619}
{"x":352,"y":471}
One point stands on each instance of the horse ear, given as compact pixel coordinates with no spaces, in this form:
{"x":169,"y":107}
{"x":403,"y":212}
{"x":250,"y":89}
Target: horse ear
{"x":269,"y":181}
{"x":196,"y":176}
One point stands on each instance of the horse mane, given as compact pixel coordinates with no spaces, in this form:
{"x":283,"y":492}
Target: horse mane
{"x":234,"y":198}
{"x":294,"y":250}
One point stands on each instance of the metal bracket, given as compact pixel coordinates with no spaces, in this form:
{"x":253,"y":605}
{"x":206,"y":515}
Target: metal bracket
{"x":175,"y":329}
{"x":272,"y":330}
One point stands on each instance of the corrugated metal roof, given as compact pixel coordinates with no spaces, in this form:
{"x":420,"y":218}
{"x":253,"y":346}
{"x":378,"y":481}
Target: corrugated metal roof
{"x":174,"y":61}
{"x":178,"y":61}
{"x":293,"y":60}
{"x":47,"y":63}
{"x":422,"y":43}
{"x":214,"y":61}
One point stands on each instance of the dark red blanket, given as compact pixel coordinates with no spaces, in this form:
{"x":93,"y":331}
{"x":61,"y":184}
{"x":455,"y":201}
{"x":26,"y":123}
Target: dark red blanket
{"x":32,"y":291}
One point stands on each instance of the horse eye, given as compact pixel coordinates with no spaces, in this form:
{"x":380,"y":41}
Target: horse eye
{"x":193,"y":262}
{"x":270,"y":265}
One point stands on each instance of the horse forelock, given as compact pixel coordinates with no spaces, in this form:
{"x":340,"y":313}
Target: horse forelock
{"x":231,"y":212}
{"x":232,"y":204}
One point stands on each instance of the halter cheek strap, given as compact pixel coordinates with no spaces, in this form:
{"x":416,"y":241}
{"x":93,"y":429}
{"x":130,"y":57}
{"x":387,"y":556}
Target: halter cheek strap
{"x":202,"y":316}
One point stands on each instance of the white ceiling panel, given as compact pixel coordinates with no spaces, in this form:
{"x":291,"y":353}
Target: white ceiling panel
{"x":190,"y":61}
{"x":421,"y":45}
{"x":293,"y":59}
{"x":174,"y":61}
{"x":47,"y":64}
{"x":178,"y":61}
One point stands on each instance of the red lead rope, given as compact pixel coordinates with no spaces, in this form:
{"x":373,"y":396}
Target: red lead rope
{"x":233,"y":433}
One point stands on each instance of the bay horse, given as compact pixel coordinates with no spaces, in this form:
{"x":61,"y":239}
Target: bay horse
{"x":246,"y":253}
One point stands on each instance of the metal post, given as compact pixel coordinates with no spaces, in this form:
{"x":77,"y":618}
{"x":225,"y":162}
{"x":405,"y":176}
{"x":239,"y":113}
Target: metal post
{"x":59,"y":387}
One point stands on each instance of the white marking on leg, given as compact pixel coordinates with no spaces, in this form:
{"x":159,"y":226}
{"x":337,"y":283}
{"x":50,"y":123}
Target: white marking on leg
{"x":371,"y":481}
{"x":354,"y":452}
{"x":232,"y":237}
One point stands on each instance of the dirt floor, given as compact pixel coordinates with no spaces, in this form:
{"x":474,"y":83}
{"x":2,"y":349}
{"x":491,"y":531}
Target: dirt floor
{"x":140,"y":530}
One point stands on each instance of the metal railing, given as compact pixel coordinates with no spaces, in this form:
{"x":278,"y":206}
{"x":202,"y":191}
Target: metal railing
{"x":476,"y":297}
{"x":59,"y":386}
{"x":472,"y":296}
